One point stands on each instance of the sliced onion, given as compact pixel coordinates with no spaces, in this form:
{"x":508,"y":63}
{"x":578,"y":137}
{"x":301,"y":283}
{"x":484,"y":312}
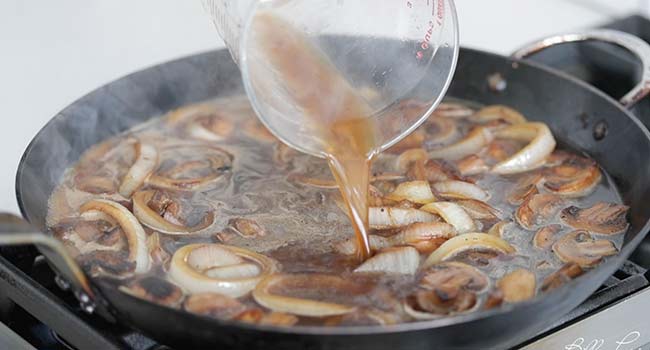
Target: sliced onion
{"x":349,"y":246}
{"x":387,"y":217}
{"x":453,"y":110}
{"x":475,"y":140}
{"x":243,"y":270}
{"x":300,"y":306}
{"x":472,"y":165}
{"x":460,"y":190}
{"x":217,"y":161}
{"x":199,"y":273}
{"x":466,"y":242}
{"x":452,"y":213}
{"x":145,"y":163}
{"x":424,"y":236}
{"x":151,"y":219}
{"x":398,"y":260}
{"x":499,"y":228}
{"x":135,"y":235}
{"x":496,"y":113}
{"x":414,"y":191}
{"x":440,"y":130}
{"x":479,"y":210}
{"x":532,"y":155}
{"x":404,"y":160}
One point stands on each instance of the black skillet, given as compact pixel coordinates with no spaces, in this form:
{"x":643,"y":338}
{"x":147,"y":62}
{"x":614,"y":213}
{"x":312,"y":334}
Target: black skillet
{"x":579,"y":115}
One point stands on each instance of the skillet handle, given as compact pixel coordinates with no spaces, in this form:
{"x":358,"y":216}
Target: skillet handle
{"x":638,"y":47}
{"x":16,"y":231}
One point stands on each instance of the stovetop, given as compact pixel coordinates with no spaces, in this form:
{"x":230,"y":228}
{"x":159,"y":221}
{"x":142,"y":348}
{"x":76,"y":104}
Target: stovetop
{"x":35,"y":312}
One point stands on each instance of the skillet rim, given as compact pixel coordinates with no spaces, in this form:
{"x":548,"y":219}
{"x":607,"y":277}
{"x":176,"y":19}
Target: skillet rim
{"x":623,"y":254}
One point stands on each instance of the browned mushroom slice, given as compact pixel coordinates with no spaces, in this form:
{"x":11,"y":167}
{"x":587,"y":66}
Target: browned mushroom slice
{"x":214,"y":304}
{"x":446,"y":288}
{"x":525,"y":187}
{"x":159,"y":256}
{"x":161,"y":211}
{"x":190,"y":167}
{"x":155,"y":289}
{"x":602,"y":218}
{"x":258,"y":316}
{"x":203,"y":121}
{"x":114,"y":263}
{"x":472,"y":165}
{"x":500,"y":150}
{"x":575,"y":177}
{"x":437,"y":170}
{"x":581,"y":248}
{"x":546,"y":236}
{"x":494,"y":299}
{"x":538,"y":209}
{"x":517,"y":286}
{"x":247,"y":227}
{"x":568,"y":272}
{"x":414,"y":140}
{"x":439,"y":130}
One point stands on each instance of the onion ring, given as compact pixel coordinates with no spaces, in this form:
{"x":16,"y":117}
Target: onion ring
{"x":151,"y":219}
{"x":145,"y":163}
{"x":190,"y":273}
{"x":460,"y":190}
{"x":453,"y":214}
{"x":135,"y":235}
{"x":532,"y":155}
{"x":493,"y":113}
{"x":473,"y":142}
{"x":300,"y":306}
{"x":467,"y":241}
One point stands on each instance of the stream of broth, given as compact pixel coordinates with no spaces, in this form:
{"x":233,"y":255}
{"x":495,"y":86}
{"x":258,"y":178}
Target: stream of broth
{"x":338,"y":115}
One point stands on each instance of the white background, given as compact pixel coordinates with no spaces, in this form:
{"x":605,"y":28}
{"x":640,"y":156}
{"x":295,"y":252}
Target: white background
{"x":53,"y":52}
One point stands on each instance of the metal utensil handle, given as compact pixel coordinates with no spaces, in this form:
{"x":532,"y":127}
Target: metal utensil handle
{"x":13,"y":232}
{"x":638,"y":47}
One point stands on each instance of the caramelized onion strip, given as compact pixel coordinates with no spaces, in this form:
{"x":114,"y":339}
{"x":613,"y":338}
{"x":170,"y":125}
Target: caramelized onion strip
{"x":541,"y":145}
{"x":145,"y":163}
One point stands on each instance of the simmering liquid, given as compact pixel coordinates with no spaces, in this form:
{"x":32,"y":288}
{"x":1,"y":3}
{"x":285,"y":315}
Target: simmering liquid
{"x":337,"y":114}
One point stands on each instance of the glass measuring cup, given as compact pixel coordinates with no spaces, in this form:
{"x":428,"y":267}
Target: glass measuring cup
{"x":352,"y":36}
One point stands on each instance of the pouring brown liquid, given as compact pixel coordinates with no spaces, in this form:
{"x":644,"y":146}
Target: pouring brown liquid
{"x":337,"y":113}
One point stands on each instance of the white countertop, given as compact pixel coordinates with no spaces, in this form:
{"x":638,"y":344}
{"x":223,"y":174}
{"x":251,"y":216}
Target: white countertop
{"x":53,"y":52}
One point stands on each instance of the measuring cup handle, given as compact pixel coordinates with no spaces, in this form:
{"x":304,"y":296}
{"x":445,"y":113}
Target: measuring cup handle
{"x":638,"y":47}
{"x":16,"y":231}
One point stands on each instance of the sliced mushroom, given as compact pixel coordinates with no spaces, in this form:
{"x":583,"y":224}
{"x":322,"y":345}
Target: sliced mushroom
{"x":247,"y":227}
{"x":413,"y":191}
{"x":575,"y":177}
{"x":494,"y":299}
{"x":437,"y":170}
{"x":581,"y":248}
{"x":315,"y":287}
{"x":602,"y":218}
{"x":526,"y":186}
{"x":214,"y":305}
{"x":397,"y":260}
{"x":258,"y":316}
{"x":533,"y":155}
{"x":160,"y":211}
{"x":517,"y":286}
{"x":568,"y":272}
{"x":155,"y":289}
{"x":159,"y":256}
{"x":460,"y":190}
{"x":204,"y":121}
{"x":387,"y":217}
{"x":468,"y":242}
{"x":538,"y":209}
{"x":446,"y":288}
{"x":453,"y":214}
{"x":195,"y":267}
{"x":440,"y":130}
{"x":500,"y":150}
{"x":546,"y":236}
